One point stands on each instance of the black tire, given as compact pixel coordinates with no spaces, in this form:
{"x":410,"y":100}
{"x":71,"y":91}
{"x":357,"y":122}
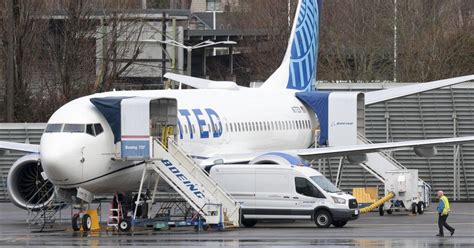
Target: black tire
{"x":249,"y":223}
{"x":381,"y":212}
{"x":323,"y":218}
{"x":75,"y":223}
{"x":389,"y":211}
{"x":420,"y":207}
{"x":86,"y":222}
{"x":413,"y":208}
{"x":339,"y":224}
{"x":124,"y":225}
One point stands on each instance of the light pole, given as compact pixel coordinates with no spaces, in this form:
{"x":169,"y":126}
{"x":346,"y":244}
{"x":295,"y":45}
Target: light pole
{"x":190,"y":49}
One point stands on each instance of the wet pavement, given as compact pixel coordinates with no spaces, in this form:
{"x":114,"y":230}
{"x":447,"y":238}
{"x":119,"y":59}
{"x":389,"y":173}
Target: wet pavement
{"x":397,"y":230}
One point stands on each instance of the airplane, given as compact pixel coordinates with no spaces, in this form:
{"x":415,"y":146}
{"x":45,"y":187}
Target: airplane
{"x":218,"y":122}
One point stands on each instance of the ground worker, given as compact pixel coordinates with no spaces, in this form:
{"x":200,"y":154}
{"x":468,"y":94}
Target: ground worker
{"x":443,"y":211}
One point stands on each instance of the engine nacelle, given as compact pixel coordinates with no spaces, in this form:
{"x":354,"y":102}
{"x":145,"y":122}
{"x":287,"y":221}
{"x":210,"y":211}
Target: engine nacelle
{"x":26,"y":186}
{"x":425,"y":151}
{"x":279,"y":158}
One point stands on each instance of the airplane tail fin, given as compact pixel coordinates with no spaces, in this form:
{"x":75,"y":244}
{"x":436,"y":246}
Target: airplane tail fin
{"x":298,"y":68}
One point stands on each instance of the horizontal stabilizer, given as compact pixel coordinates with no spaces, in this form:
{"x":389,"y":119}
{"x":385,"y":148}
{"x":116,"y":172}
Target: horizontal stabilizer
{"x":377,"y":96}
{"x":200,"y":83}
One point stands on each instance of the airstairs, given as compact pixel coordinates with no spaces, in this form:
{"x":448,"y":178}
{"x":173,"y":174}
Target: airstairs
{"x":44,"y":216}
{"x":206,"y":197}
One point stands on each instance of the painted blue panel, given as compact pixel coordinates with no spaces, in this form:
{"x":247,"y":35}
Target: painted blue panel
{"x":318,"y":101}
{"x":304,"y":47}
{"x":136,"y":149}
{"x":110,"y":109}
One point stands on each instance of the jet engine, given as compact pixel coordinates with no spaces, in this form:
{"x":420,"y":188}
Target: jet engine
{"x":26,"y":186}
{"x":279,"y":158}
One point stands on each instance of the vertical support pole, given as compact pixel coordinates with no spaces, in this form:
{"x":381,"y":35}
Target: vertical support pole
{"x":163,"y":47}
{"x":395,"y":54}
{"x":231,"y":54}
{"x":175,"y":48}
{"x":188,"y":66}
{"x":138,"y":196}
{"x":339,"y":172}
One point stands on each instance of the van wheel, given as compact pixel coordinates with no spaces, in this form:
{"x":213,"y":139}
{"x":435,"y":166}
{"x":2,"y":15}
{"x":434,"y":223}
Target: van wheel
{"x":389,"y":211}
{"x":339,"y":223}
{"x":249,"y":223}
{"x":421,"y":207}
{"x":323,"y":218}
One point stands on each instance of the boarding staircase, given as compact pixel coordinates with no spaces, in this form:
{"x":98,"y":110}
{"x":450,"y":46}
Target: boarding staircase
{"x":379,"y":163}
{"x":205,"y":196}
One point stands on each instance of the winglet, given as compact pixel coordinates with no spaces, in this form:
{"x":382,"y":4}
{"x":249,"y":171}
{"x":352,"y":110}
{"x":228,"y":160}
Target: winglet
{"x":390,"y":94}
{"x":200,"y":83}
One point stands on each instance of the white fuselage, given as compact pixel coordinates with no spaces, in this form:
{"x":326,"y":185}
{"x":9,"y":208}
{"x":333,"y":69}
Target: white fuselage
{"x":249,"y":120}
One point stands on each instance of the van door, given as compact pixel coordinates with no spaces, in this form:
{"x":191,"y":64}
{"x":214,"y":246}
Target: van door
{"x":307,"y":195}
{"x":273,"y":194}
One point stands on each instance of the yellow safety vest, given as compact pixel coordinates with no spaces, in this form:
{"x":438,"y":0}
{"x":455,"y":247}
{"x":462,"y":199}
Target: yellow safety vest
{"x":446,"y":205}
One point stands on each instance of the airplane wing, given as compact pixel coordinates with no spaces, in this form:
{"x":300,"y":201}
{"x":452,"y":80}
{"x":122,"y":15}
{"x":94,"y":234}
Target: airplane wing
{"x":316,"y":153}
{"x":390,"y":94}
{"x":200,"y":83}
{"x":5,"y":145}
{"x":326,"y":152}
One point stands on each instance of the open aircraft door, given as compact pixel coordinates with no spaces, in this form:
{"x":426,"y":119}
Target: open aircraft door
{"x":144,"y":119}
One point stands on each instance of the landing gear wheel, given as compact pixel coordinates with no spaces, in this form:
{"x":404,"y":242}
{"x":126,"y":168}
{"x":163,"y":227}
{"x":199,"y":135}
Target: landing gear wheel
{"x":413,"y":208}
{"x":86,"y":222}
{"x":339,"y":224}
{"x":124,"y":225}
{"x":421,"y":207}
{"x":249,"y":223}
{"x":381,"y":212}
{"x":323,"y":218}
{"x":75,"y":223}
{"x":389,"y":211}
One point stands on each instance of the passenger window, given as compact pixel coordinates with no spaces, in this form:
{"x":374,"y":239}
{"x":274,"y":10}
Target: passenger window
{"x":53,"y":128}
{"x":98,"y":129}
{"x":90,"y":130}
{"x":305,"y":187}
{"x":74,"y":128}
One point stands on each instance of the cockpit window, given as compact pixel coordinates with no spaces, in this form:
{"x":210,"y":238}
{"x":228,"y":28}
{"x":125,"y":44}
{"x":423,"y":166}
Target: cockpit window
{"x":98,"y":129}
{"x":90,"y":129}
{"x":53,"y":128}
{"x":74,"y":128}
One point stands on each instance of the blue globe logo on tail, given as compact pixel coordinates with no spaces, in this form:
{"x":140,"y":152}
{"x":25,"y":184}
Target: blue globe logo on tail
{"x":304,"y":47}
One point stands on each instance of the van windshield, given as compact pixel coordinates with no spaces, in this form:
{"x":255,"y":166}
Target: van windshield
{"x":325,"y":184}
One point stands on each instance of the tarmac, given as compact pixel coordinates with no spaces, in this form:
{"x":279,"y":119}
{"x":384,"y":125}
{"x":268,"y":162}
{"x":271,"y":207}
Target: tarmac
{"x":400,"y":229}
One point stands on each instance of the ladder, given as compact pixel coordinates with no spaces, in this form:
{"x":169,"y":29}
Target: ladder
{"x":187,"y":178}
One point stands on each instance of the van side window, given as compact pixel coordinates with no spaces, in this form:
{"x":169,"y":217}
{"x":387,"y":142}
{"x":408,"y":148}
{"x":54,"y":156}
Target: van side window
{"x":305,"y":187}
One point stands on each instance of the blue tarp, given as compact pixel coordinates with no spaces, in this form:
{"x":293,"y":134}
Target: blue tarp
{"x":318,"y":101}
{"x":110,"y":108}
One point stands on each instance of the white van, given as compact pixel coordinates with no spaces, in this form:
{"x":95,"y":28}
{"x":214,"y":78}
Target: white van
{"x":285,"y":192}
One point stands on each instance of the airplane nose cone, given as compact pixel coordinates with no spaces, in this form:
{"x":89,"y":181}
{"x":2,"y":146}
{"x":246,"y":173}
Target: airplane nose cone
{"x":61,"y":162}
